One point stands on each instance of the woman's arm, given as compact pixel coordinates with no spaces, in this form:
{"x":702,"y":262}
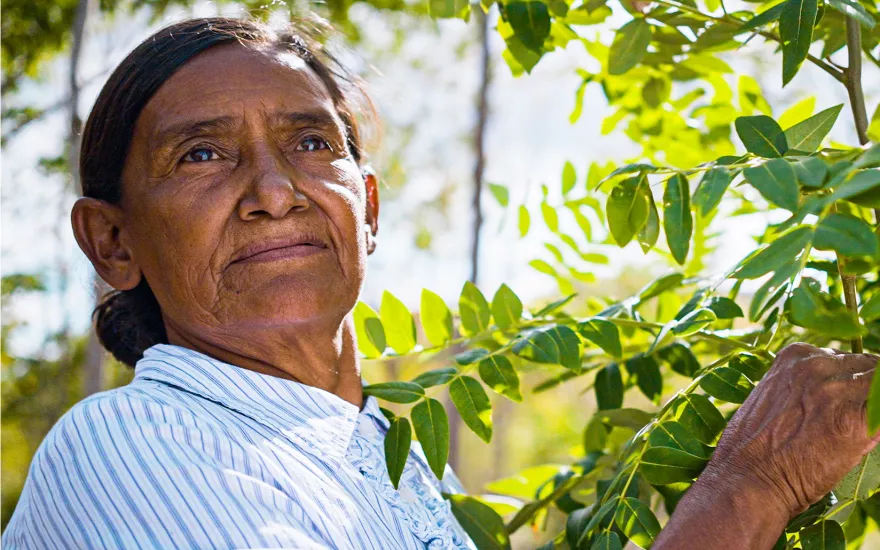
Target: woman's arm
{"x":799,"y":432}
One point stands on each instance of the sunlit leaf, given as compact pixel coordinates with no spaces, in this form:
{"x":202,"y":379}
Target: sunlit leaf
{"x":369,"y":330}
{"x":825,"y":535}
{"x":808,"y":135}
{"x":484,"y":526}
{"x":603,"y":333}
{"x":498,"y":373}
{"x":530,"y":22}
{"x":796,"y":30}
{"x":726,"y":384}
{"x":780,"y":252}
{"x":776,"y":181}
{"x":711,"y":190}
{"x":627,"y":209}
{"x":395,"y":391}
{"x":637,"y":521}
{"x":506,"y":307}
{"x":436,"y":318}
{"x":847,"y":235}
{"x":400,"y":328}
{"x":474,"y":310}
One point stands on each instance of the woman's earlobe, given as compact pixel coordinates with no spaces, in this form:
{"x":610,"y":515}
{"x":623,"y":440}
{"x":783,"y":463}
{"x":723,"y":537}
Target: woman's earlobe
{"x":97,"y":227}
{"x":371,"y":183}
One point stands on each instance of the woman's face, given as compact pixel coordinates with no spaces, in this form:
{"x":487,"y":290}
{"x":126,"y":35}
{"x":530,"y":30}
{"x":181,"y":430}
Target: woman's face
{"x":242,"y":204}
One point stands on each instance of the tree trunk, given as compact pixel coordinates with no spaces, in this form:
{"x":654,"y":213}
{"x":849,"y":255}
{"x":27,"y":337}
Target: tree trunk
{"x":93,"y":368}
{"x":479,"y":167}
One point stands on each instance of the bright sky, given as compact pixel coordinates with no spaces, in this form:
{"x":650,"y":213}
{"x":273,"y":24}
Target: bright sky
{"x":429,"y":87}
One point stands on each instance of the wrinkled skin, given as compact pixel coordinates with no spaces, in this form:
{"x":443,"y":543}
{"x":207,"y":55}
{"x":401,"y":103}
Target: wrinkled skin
{"x":799,"y":432}
{"x":238,"y":149}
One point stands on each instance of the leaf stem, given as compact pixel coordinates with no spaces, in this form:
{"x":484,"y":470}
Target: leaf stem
{"x":850,"y":296}
{"x":853,"y":79}
{"x":730,"y":20}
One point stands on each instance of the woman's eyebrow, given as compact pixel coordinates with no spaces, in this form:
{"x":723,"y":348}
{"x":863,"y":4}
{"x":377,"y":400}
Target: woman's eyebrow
{"x":308,"y":118}
{"x":181,"y":131}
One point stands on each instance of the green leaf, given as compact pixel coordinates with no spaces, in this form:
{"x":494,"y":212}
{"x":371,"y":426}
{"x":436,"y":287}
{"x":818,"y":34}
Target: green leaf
{"x":595,"y":435}
{"x":645,"y":370}
{"x":846,"y":235}
{"x":751,"y":365}
{"x":633,"y":419}
{"x":473,"y":404}
{"x":694,"y":321}
{"x":501,"y":194}
{"x":811,"y":172}
{"x":780,"y":252}
{"x":825,"y":535}
{"x":530,"y":22}
{"x":724,"y":308}
{"x":871,"y":309}
{"x":798,"y":112}
{"x":796,"y":30}
{"x":763,"y":18}
{"x":474,"y":310}
{"x":569,"y":178}
{"x":604,"y":516}
{"x":436,"y":318}
{"x":650,"y":232}
{"x":606,"y":540}
{"x":660,"y":285}
{"x":551,"y":218}
{"x":726,"y":384}
{"x":862,"y":480}
{"x":630,"y":46}
{"x":603,"y":333}
{"x":609,"y":387}
{"x":506,"y":307}
{"x":776,"y":180}
{"x":853,"y":9}
{"x":397,"y":443}
{"x":432,"y":428}
{"x":551,"y":344}
{"x":680,"y":359}
{"x":761,"y":135}
{"x":677,"y":220}
{"x":673,"y":435}
{"x":471,"y":356}
{"x":484,"y":526}
{"x":639,"y":167}
{"x":627,"y":209}
{"x":400,"y":329}
{"x":498,"y":373}
{"x":369,"y":330}
{"x":448,"y":8}
{"x":874,"y":405}
{"x":637,"y":522}
{"x":809,"y":307}
{"x":665,"y":465}
{"x":699,"y":416}
{"x":711,"y":190}
{"x":435,"y":377}
{"x":396,"y":392}
{"x":524,"y":220}
{"x":807,"y":136}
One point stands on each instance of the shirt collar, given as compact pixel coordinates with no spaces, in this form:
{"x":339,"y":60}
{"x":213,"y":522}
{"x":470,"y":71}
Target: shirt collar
{"x":324,"y":422}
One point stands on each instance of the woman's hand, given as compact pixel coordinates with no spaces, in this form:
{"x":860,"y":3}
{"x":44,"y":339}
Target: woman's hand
{"x":799,"y":432}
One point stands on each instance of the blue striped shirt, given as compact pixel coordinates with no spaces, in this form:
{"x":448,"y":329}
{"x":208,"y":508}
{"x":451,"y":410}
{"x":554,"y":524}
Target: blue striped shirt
{"x":197,"y":453}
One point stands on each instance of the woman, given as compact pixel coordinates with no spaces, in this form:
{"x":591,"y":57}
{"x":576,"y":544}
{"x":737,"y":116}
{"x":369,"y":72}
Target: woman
{"x":226,"y":202}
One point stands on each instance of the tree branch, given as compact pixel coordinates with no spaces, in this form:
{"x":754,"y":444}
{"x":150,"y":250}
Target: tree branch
{"x":853,"y":78}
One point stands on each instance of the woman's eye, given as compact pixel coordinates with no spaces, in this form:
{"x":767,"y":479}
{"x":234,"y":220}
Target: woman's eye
{"x":313,"y":143}
{"x":200,"y":154}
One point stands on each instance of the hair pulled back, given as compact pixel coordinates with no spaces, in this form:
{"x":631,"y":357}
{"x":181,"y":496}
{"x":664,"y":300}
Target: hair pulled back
{"x":128,"y":322}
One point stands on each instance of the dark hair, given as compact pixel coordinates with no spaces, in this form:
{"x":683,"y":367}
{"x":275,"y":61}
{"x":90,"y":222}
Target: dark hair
{"x":130,"y":321}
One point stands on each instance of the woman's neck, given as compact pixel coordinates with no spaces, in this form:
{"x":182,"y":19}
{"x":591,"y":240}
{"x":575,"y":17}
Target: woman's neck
{"x":324,"y":357}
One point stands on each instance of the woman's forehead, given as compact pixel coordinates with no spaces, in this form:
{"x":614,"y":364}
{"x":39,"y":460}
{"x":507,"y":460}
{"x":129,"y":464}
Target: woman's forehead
{"x":232,"y":80}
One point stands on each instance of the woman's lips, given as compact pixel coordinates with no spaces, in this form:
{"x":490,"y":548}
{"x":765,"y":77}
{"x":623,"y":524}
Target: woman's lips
{"x":281,"y":250}
{"x":283,"y":253}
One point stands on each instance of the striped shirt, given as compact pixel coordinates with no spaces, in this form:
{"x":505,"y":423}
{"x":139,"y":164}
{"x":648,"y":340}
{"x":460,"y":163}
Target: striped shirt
{"x":197,"y":453}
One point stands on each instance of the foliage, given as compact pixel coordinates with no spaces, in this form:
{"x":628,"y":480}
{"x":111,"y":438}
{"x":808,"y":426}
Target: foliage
{"x":693,"y":345}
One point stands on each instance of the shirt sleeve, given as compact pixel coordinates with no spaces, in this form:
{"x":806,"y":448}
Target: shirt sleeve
{"x":108,"y":477}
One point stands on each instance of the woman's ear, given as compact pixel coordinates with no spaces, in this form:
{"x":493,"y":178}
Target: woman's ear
{"x":371,"y":226}
{"x":97,"y":226}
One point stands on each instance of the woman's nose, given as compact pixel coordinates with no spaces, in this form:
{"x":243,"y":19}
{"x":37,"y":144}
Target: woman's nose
{"x":273,"y":191}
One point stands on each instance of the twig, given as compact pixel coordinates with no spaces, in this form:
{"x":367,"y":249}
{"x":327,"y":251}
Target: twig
{"x":853,"y":78}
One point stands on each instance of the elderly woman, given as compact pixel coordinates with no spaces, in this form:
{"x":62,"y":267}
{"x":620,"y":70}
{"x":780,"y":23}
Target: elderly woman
{"x":227,"y":205}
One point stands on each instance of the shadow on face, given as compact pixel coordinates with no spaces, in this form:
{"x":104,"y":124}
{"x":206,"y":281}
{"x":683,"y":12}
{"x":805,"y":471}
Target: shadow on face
{"x":241,"y":203}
